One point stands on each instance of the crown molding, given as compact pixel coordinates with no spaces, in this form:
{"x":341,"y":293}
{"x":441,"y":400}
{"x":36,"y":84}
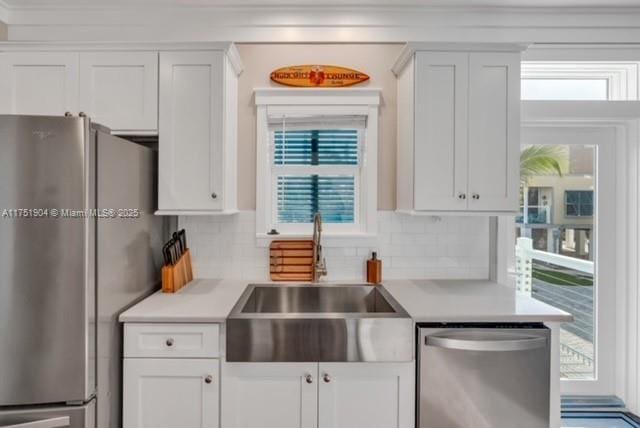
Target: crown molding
{"x":412,"y":47}
{"x":226,"y":46}
{"x":321,"y":24}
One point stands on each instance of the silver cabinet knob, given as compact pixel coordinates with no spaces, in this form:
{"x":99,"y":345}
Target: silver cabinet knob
{"x":169,"y":342}
{"x":308,"y":378}
{"x":208,"y":379}
{"x":462,"y":196}
{"x":476,"y":196}
{"x":214,"y":195}
{"x":326,"y":378}
{"x":67,"y":114}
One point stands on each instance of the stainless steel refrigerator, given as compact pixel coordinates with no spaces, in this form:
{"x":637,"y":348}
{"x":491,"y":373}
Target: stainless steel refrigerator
{"x":73,"y":255}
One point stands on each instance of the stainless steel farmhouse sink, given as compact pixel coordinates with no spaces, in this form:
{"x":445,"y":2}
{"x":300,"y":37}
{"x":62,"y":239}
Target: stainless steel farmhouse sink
{"x":302,"y":322}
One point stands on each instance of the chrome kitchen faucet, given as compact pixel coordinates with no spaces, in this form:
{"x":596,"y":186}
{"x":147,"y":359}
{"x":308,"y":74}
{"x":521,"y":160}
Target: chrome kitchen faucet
{"x":319,"y":263}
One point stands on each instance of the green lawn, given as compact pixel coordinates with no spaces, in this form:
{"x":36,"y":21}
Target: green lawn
{"x":560,"y":278}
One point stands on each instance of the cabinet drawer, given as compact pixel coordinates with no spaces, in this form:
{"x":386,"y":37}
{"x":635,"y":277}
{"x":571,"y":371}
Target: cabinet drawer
{"x":171,"y":340}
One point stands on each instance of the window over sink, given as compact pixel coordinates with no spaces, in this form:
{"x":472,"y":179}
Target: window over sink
{"x":316,"y":158}
{"x":316,"y":166}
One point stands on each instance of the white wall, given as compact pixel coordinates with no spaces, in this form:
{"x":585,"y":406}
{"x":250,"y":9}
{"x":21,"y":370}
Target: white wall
{"x":410,"y":247}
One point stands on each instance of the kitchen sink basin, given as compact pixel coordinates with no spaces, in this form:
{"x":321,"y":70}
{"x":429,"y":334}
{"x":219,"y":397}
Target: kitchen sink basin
{"x":356,"y":299}
{"x":302,"y":322}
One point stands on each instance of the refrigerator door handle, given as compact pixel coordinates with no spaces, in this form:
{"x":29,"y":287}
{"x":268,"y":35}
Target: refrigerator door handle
{"x":520,"y":344}
{"x":58,"y":422}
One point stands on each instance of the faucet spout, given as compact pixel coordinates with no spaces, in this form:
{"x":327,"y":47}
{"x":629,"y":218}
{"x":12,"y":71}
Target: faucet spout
{"x":319,"y":262}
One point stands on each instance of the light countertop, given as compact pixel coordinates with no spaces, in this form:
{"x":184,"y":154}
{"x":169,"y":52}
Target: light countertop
{"x":469,"y":301}
{"x":204,"y":300}
{"x":211,"y":300}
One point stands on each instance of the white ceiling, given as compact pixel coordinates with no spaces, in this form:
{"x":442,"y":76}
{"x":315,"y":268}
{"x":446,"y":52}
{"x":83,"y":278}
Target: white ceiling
{"x":314,"y":3}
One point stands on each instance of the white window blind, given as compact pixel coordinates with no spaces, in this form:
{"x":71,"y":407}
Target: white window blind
{"x":315,"y":164}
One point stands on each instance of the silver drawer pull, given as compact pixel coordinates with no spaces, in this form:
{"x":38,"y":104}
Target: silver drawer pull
{"x":521,"y":344}
{"x":169,"y":342}
{"x":308,"y":378}
{"x":208,"y":379}
{"x":59,"y":422}
{"x":326,"y":377}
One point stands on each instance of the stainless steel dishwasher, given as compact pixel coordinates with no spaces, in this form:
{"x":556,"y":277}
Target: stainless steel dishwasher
{"x":483,"y":376}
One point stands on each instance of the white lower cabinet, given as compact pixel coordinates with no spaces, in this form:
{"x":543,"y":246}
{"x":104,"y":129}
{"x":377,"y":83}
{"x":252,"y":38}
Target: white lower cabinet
{"x":325,"y":395}
{"x":366,"y":395}
{"x":270,"y":395}
{"x":171,"y":393}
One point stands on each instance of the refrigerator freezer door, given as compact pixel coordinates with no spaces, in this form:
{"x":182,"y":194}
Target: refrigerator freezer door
{"x":47,"y":305}
{"x":50,"y":417}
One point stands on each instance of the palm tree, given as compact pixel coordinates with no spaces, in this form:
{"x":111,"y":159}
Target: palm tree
{"x":542,"y":160}
{"x":539,"y":160}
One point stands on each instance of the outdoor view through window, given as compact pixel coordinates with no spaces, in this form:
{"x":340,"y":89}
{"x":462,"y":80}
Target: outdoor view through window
{"x":556,"y":237}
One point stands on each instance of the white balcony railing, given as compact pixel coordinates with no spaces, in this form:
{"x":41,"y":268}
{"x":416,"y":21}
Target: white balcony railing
{"x":525,"y":254}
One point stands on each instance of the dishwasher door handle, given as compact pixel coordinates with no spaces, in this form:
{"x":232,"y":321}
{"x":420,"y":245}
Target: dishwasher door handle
{"x":519,"y":344}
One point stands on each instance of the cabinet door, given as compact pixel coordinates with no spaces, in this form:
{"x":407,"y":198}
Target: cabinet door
{"x":270,"y":395}
{"x":120,"y":89}
{"x":170,"y":393}
{"x":39,"y":83}
{"x":494,"y":131}
{"x":191,"y":131}
{"x":366,"y":395}
{"x":440,"y":131}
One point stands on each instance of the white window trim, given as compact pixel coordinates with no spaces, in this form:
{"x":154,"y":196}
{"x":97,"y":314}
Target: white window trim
{"x":621,"y":76}
{"x":312,"y":101}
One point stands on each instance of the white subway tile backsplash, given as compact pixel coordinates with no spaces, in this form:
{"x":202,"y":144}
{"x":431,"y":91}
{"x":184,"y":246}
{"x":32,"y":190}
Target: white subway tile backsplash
{"x":410,"y":247}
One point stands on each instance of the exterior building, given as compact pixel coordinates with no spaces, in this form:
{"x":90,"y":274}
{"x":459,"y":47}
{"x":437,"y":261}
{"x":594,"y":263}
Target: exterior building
{"x":560,"y":208}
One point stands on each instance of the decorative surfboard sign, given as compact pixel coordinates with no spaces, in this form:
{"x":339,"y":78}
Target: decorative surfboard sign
{"x":318,"y":76}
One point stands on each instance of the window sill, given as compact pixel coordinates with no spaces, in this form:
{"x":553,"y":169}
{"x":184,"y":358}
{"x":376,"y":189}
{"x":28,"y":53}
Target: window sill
{"x":329,"y":240}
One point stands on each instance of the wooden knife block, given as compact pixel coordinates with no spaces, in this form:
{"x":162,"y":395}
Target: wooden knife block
{"x":174,"y":277}
{"x":291,"y":260}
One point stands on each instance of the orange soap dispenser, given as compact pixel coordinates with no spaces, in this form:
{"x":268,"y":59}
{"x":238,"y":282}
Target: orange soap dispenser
{"x":374,"y":269}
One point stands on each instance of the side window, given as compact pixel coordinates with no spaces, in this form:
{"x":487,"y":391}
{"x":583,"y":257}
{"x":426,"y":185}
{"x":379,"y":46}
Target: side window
{"x":578,"y":203}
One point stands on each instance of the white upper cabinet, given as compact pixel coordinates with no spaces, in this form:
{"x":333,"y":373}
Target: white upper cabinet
{"x":120,"y":90}
{"x":186,"y":93}
{"x":38,"y":83}
{"x":458,"y":128}
{"x":197,"y":128}
{"x":494,"y":131}
{"x":440,"y":133}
